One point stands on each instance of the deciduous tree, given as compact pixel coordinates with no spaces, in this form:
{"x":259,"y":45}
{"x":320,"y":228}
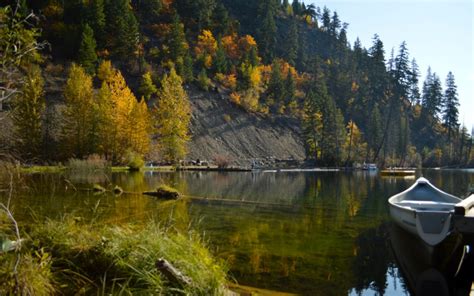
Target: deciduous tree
{"x":172,"y":115}
{"x":29,"y":107}
{"x":78,"y":118}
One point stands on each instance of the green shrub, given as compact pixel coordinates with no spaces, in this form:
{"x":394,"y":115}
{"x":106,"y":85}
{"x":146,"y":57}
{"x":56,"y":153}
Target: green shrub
{"x":135,"y":161}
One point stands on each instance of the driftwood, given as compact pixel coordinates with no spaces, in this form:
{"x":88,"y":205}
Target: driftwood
{"x":173,"y":275}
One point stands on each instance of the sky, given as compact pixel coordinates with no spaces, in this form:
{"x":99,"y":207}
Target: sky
{"x":438,"y":33}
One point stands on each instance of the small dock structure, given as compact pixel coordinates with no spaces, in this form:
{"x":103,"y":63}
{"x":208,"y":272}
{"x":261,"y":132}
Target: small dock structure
{"x":397,"y":172}
{"x":464,"y":217}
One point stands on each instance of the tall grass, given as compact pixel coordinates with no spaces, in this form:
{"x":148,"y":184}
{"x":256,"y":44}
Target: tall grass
{"x":90,"y":164}
{"x":75,"y":257}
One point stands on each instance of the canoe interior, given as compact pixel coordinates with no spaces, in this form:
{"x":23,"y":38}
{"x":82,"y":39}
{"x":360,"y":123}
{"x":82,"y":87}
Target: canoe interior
{"x":423,"y":195}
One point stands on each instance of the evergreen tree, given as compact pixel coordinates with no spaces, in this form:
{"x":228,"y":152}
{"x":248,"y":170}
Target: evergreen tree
{"x":291,"y":43}
{"x":221,"y":20}
{"x":312,"y":124}
{"x":414,"y":78}
{"x":302,"y":58}
{"x":276,"y":86}
{"x":432,"y":95}
{"x":290,"y":87}
{"x":29,"y":107}
{"x":297,"y":9}
{"x":96,"y":20}
{"x":266,"y":32}
{"x":122,"y":29}
{"x":402,"y":73}
{"x":179,"y":50}
{"x":172,"y":117}
{"x":377,"y":73}
{"x":335,"y":25}
{"x":87,"y":56}
{"x":450,"y":104}
{"x":199,"y":11}
{"x":326,"y":19}
{"x":374,"y":131}
{"x":149,"y":10}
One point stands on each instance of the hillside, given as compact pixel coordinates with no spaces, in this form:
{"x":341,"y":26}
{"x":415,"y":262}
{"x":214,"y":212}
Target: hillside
{"x":112,"y":78}
{"x":220,"y":128}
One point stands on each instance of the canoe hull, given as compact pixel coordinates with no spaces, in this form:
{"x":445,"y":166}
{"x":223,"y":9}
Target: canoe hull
{"x":424,"y":211}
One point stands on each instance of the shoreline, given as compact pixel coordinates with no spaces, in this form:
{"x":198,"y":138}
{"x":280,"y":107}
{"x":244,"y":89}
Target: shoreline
{"x":169,"y":168}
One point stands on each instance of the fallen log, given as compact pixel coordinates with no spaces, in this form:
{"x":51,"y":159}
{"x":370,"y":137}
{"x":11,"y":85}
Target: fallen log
{"x":173,"y":275}
{"x":165,"y":192}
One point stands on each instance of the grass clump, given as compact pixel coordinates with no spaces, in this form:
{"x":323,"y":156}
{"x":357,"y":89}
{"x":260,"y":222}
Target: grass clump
{"x":33,"y":274}
{"x":92,"y":259}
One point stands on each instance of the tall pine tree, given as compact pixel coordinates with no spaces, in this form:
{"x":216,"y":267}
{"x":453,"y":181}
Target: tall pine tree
{"x":450,"y":106}
{"x":87,"y":56}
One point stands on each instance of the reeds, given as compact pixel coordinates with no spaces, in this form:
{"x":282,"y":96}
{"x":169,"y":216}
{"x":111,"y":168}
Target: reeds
{"x":90,"y":164}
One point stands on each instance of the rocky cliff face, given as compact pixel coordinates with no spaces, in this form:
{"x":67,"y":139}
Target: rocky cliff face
{"x":220,"y":128}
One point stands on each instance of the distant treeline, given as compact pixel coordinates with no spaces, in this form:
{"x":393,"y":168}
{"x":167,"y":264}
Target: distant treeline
{"x":269,"y":57}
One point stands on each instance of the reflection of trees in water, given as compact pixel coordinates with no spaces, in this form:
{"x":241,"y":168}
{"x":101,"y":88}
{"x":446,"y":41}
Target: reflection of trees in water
{"x":261,"y":187}
{"x":372,"y":259}
{"x":88,"y":177}
{"x":322,"y":241}
{"x":455,"y":182}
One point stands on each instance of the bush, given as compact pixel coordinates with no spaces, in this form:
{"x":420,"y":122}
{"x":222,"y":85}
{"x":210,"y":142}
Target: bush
{"x":135,"y":161}
{"x":227,"y":118}
{"x":203,"y":80}
{"x":222,"y":161}
{"x":228,"y":81}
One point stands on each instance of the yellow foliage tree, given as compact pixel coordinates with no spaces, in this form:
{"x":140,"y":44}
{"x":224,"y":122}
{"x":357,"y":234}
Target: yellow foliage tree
{"x":246,"y":43}
{"x":355,"y":146}
{"x":172,"y":115}
{"x":230,"y":47}
{"x":79,"y":115}
{"x":206,"y":48}
{"x":124,"y":123}
{"x":140,"y":128}
{"x":28,"y":109}
{"x":105,"y":71}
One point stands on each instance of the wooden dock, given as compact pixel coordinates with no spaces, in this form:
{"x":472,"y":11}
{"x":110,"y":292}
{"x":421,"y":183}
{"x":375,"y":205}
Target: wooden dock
{"x":397,"y":173}
{"x":464,"y":216}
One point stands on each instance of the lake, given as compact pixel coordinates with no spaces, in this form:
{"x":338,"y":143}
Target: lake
{"x":312,"y":233}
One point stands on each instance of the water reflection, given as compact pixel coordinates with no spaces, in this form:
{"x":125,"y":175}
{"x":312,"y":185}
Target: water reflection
{"x":442,"y":270}
{"x":308,"y":233}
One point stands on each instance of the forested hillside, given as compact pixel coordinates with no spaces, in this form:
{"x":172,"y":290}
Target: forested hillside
{"x":112,"y":78}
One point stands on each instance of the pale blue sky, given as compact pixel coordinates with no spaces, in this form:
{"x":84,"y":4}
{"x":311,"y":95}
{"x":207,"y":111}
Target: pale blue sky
{"x":439,"y":33}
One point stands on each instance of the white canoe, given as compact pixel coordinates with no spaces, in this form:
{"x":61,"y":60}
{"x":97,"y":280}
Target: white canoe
{"x":424,"y":210}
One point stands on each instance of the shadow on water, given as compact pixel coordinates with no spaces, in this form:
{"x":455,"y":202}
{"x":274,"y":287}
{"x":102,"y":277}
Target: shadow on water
{"x":446,"y":269}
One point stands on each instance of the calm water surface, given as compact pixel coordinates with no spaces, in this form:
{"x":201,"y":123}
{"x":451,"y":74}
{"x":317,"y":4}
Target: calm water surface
{"x":319,"y":233}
